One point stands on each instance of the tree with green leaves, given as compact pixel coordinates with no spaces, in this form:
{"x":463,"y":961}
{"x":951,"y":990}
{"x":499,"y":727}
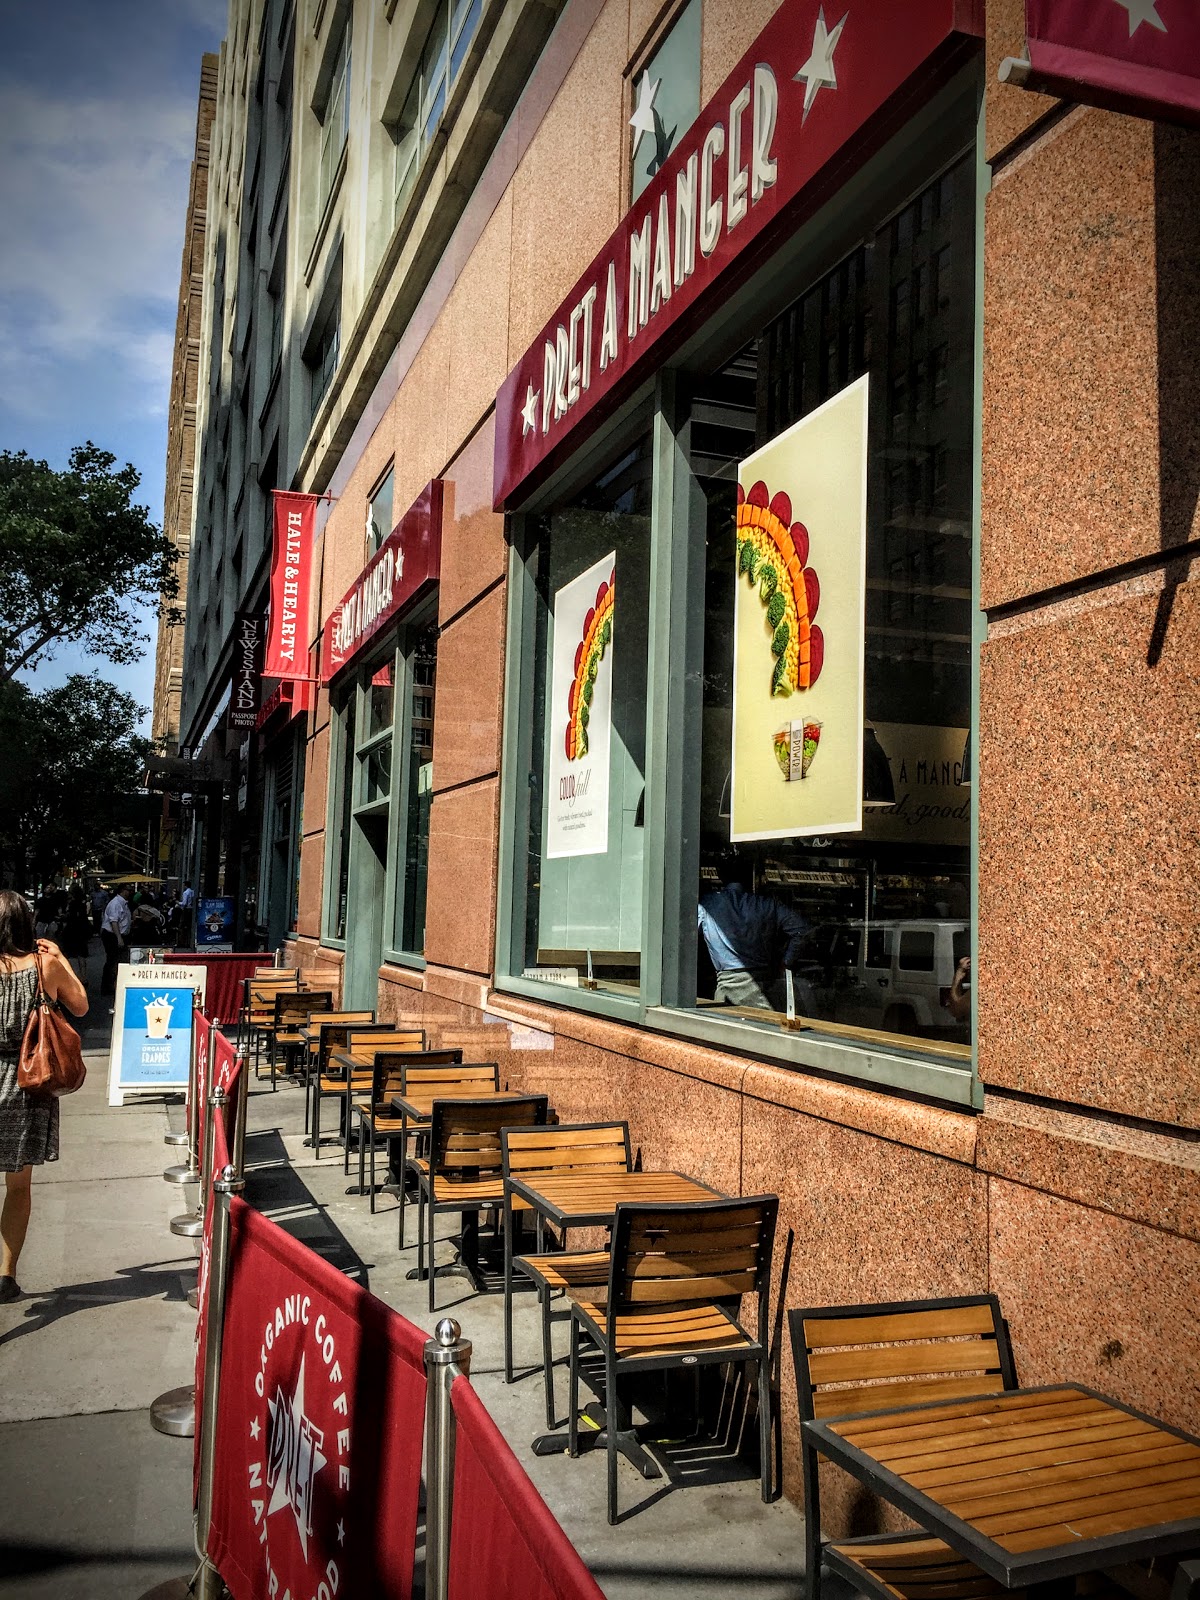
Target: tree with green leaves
{"x":72,"y":759}
{"x":76,"y":555}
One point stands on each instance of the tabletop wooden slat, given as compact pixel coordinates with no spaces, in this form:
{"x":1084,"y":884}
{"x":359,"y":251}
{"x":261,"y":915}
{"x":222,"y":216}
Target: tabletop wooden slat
{"x":582,"y":1197}
{"x":419,"y":1107}
{"x":1021,"y":1481}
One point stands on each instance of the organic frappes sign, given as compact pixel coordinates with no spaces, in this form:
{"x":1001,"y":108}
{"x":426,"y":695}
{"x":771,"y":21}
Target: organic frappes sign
{"x":798,"y":627}
{"x":152,"y":1029}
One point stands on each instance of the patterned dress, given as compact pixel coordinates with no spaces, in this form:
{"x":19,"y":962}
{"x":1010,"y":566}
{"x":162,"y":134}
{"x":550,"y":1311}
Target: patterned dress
{"x":28,"y":1123}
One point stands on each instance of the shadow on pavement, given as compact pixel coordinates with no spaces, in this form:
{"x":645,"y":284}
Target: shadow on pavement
{"x":276,"y":1189}
{"x":156,"y":1280}
{"x":27,"y":1560}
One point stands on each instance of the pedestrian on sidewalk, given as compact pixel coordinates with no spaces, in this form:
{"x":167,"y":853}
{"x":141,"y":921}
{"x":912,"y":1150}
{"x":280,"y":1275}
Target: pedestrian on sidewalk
{"x":75,"y":932}
{"x":28,"y":1123}
{"x":114,"y":934}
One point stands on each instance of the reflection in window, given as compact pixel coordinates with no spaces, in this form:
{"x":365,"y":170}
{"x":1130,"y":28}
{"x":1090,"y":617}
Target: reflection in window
{"x":379,"y":513}
{"x":422,"y":673}
{"x":335,"y":122}
{"x":582,"y":888}
{"x":443,"y":56}
{"x":666,"y":92}
{"x":347,"y":797}
{"x":883,"y":912}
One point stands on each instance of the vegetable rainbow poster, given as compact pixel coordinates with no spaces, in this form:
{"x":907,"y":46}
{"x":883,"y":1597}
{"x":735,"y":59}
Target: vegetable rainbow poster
{"x":580,"y":718}
{"x":799,"y":627}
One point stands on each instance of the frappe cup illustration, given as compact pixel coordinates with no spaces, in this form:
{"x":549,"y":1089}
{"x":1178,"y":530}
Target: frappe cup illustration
{"x":158,"y":1017}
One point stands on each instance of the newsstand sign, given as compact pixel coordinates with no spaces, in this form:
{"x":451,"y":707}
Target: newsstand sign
{"x":407,"y":560}
{"x":822,"y":88}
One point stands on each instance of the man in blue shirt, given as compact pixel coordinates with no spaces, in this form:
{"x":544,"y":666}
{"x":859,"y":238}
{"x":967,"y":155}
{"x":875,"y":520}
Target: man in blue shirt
{"x":750,"y":937}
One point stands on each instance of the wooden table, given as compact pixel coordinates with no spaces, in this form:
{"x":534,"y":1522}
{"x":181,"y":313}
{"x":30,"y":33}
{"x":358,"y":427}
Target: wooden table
{"x":418,"y":1106}
{"x":580,"y":1200}
{"x":1035,"y":1486}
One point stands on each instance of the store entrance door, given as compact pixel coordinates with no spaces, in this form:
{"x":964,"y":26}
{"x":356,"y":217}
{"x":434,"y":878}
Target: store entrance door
{"x":364,"y":921}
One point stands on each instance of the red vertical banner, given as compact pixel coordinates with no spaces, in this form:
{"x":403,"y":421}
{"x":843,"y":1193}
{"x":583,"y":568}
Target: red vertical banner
{"x":1141,"y":56}
{"x":291,"y":585}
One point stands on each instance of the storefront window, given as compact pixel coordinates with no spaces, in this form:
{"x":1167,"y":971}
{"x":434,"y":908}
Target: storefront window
{"x":344,"y":755}
{"x":666,"y":96}
{"x":379,"y":513}
{"x":421,"y":659}
{"x":580,"y":924}
{"x":864,"y":925}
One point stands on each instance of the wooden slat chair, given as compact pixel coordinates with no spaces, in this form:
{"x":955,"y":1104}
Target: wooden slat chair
{"x":482,"y":1077}
{"x":327,"y":1033}
{"x":376,"y":1119}
{"x":464,"y":1171}
{"x":676,"y":1278}
{"x":292,"y":1010}
{"x":854,"y":1359}
{"x":530,"y":1153}
{"x":356,"y":1084}
{"x":257,"y":1010}
{"x":330,"y":1082}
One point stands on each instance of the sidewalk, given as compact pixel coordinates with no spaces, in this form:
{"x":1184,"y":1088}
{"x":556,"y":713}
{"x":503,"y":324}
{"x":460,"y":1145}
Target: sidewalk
{"x":93,"y":1501}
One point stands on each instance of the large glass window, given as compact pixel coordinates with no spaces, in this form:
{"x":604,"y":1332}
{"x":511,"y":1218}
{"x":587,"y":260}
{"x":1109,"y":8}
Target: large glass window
{"x":420,"y":660}
{"x":379,"y":513}
{"x":865,"y":926}
{"x":666,"y":96}
{"x":335,"y":123}
{"x":580,"y":882}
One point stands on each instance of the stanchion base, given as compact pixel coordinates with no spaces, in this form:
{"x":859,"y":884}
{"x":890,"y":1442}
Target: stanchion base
{"x":174,"y":1413}
{"x":187,"y":1226}
{"x":175,"y":1140}
{"x":182,"y":1174}
{"x":193,"y":1298}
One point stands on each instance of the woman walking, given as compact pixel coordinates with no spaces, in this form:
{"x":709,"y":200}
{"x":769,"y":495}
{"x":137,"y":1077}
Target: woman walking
{"x":28,"y":1123}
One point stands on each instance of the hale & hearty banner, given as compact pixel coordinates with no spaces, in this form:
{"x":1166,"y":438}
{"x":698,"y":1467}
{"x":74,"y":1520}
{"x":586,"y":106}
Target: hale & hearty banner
{"x":797,"y":682}
{"x":291,"y":585}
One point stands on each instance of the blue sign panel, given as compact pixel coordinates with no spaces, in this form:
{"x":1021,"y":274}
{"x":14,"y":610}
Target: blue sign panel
{"x":214,"y":921}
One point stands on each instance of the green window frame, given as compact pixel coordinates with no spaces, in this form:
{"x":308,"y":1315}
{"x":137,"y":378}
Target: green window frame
{"x":944,"y":133}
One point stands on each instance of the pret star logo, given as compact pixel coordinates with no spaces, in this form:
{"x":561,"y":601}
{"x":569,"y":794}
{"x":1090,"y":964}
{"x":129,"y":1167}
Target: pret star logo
{"x":299,"y":1453}
{"x":818,"y":72}
{"x":294,"y":1457}
{"x":529,"y":411}
{"x":1143,"y":11}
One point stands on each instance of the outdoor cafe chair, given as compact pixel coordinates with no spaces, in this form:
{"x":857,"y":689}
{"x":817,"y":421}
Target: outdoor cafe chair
{"x":464,"y":1171}
{"x":676,"y":1278}
{"x":852,"y":1359}
{"x":357,"y":1080}
{"x":329,"y":1082}
{"x":376,"y":1119}
{"x":258,"y":1010}
{"x":327,"y":1032}
{"x":418,"y":1077}
{"x":529,"y":1153}
{"x":292,"y":1010}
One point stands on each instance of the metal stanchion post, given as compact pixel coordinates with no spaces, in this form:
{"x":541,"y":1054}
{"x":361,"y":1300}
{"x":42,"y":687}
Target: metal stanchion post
{"x":208,"y":1584}
{"x":189,"y":1171}
{"x":190,"y":1224}
{"x":446,"y":1355}
{"x":241,"y":1109}
{"x":184,"y":1138}
{"x":174,"y":1412}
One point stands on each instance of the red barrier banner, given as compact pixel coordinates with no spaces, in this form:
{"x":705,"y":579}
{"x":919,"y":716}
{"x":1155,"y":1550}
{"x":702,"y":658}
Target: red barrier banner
{"x":1141,"y":56}
{"x":225,"y":1062}
{"x":291,"y":585}
{"x":203,"y":1050}
{"x":505,"y":1543}
{"x":319,"y":1428}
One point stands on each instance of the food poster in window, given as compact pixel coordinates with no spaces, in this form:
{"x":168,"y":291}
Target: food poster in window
{"x":579,"y":722}
{"x":799,"y":627}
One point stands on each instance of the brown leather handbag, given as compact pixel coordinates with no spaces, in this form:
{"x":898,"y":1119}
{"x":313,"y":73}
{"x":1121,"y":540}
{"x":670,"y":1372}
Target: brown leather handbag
{"x":51,"y":1059}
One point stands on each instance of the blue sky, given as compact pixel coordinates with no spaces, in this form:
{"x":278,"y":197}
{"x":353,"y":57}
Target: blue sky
{"x":97,"y":124}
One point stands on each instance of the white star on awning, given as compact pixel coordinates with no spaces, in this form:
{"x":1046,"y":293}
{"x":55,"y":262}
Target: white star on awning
{"x":529,"y":411}
{"x":818,"y":71}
